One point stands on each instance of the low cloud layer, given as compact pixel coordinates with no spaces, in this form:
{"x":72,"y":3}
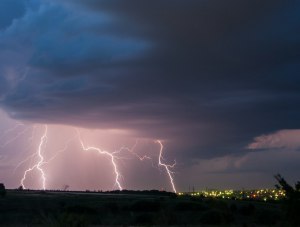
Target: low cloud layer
{"x":283,"y":139}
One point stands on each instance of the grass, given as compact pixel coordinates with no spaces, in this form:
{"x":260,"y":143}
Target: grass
{"x":33,"y":208}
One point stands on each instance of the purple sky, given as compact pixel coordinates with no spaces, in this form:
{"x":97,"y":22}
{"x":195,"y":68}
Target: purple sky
{"x":217,"y":82}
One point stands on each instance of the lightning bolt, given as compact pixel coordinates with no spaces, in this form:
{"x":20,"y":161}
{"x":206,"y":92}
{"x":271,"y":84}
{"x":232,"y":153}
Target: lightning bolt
{"x":166,"y":166}
{"x":60,"y":151}
{"x":110,"y":155}
{"x":24,"y":161}
{"x":38,"y":165}
{"x":18,"y":124}
{"x":132,"y":152}
{"x":113,"y":156}
{"x":44,"y":162}
{"x":32,"y":155}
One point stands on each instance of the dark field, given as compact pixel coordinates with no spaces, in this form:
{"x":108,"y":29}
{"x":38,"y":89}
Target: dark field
{"x":33,"y":208}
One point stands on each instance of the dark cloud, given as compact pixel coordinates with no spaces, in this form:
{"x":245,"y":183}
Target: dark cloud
{"x":3,"y":87}
{"x":206,"y":75}
{"x":10,"y":10}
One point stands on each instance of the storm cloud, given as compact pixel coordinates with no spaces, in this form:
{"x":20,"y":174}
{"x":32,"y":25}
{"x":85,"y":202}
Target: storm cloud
{"x":208,"y":76}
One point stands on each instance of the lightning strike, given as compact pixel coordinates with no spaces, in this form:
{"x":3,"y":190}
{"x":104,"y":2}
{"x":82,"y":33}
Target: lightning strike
{"x":110,"y":155}
{"x":33,"y":133}
{"x":132,"y":152}
{"x":166,"y":166}
{"x":24,"y":161}
{"x":38,"y":165}
{"x":60,"y":151}
{"x":15,"y":137}
{"x":31,"y":138}
{"x":113,"y":156}
{"x":17,"y":125}
{"x":135,"y":154}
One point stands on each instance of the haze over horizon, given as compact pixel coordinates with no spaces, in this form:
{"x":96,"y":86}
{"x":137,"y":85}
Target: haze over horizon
{"x":217,"y":82}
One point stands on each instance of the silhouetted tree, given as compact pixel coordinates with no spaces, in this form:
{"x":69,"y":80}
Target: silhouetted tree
{"x":20,"y":188}
{"x":292,"y":205}
{"x":283,"y":185}
{"x":2,"y":190}
{"x":66,"y":187}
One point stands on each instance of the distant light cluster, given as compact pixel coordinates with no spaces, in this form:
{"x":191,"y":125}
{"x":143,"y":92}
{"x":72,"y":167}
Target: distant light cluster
{"x":257,"y":194}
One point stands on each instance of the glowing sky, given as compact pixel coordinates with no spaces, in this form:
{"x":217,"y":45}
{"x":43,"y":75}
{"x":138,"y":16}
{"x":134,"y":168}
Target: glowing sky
{"x":217,"y":82}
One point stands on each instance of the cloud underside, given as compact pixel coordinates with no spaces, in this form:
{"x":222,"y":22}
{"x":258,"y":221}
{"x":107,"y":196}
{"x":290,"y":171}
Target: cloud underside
{"x":207,"y":75}
{"x":283,"y":139}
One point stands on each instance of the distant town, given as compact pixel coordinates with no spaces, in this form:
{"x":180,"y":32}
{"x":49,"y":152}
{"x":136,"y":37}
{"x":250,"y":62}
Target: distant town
{"x":255,"y":194}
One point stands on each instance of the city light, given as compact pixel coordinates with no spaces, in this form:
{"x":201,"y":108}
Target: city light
{"x":256,"y":194}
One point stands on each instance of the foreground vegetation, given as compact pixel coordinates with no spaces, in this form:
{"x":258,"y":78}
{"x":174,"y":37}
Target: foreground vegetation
{"x":136,"y":208}
{"x":32,"y":208}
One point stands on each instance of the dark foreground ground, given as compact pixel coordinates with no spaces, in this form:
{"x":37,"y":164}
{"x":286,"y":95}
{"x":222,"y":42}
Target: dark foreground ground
{"x":33,"y":208}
